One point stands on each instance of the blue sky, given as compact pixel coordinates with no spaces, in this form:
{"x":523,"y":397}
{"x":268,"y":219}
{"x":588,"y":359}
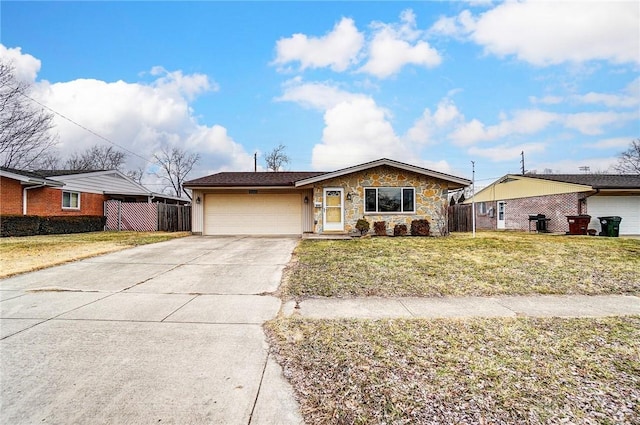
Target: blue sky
{"x":435,"y":84}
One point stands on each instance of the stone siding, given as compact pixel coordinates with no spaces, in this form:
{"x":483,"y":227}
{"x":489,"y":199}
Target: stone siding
{"x":430,"y":194}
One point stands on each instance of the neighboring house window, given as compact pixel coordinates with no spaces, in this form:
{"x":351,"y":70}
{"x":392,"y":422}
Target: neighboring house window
{"x":389,"y":199}
{"x":482,"y":208}
{"x":71,"y":200}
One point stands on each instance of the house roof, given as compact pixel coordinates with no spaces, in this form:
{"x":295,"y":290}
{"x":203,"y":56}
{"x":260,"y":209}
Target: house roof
{"x":514,"y":186}
{"x":596,"y":181}
{"x":454,"y":182}
{"x":249,"y":179}
{"x":303,"y":178}
{"x":28,"y":178}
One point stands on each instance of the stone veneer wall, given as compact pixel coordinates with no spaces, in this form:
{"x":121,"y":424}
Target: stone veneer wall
{"x":431,"y":195}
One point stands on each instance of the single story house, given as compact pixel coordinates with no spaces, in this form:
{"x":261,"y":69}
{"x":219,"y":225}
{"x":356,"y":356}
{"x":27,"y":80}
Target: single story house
{"x":508,"y":202}
{"x":48,"y":193}
{"x":293,"y":203}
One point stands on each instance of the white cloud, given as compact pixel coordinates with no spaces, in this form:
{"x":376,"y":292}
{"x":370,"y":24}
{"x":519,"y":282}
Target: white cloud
{"x":315,"y":95}
{"x":545,"y":33}
{"x":356,"y":131}
{"x":26,"y":67}
{"x":505,"y":152}
{"x":626,"y":98}
{"x":395,"y":45}
{"x":528,"y":121}
{"x":338,"y":49}
{"x":572,"y":166}
{"x":137,"y":117}
{"x":429,"y":125}
{"x":615,"y":142}
{"x":592,"y":123}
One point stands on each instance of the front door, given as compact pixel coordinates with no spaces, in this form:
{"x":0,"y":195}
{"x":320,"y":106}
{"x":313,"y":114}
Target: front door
{"x":333,"y":215}
{"x":501,"y":210}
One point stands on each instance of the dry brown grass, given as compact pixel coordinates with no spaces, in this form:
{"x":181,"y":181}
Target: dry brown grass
{"x":29,"y":253}
{"x":472,"y":371}
{"x":493,"y":263}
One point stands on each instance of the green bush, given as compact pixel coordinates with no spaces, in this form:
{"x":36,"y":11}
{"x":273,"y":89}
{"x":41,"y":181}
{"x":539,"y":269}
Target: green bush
{"x":19,"y":225}
{"x":71,"y":224}
{"x":30,"y":225}
{"x":362,"y":225}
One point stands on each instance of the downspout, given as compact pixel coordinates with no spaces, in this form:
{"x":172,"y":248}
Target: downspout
{"x":24,"y":196}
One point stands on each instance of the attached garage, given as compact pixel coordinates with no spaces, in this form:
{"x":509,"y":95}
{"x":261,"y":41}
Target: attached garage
{"x":252,"y":214}
{"x":627,"y":207}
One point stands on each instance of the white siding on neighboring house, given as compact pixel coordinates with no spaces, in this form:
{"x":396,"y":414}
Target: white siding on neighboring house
{"x":102,"y":182}
{"x":627,"y":207}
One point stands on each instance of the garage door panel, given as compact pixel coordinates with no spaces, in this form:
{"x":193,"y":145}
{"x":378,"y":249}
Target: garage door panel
{"x":627,"y":207}
{"x":262,"y":214}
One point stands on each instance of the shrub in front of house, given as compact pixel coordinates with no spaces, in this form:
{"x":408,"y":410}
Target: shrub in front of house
{"x":362,"y":225}
{"x":71,"y":224}
{"x":380,"y":228}
{"x":400,"y":230}
{"x":19,"y":225}
{"x":420,"y":227}
{"x":31,"y":225}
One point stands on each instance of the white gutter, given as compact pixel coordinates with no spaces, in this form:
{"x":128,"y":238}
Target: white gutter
{"x":24,"y":196}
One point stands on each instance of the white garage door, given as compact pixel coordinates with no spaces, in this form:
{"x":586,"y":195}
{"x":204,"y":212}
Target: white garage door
{"x":253,"y":214}
{"x":627,"y":207}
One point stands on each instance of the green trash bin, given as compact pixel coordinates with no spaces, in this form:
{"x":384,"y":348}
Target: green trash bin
{"x":610,"y":226}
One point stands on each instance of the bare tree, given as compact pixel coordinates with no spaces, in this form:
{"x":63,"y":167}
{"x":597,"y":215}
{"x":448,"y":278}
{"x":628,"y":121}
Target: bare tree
{"x":25,"y":130}
{"x":175,"y":164}
{"x":97,"y":157}
{"x":276,"y":158}
{"x":136,"y":175}
{"x":629,"y":160}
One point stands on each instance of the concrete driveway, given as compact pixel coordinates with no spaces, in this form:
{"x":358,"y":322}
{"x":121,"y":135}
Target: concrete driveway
{"x":163,"y":333}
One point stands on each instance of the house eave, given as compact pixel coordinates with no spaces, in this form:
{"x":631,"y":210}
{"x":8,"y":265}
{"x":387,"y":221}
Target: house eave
{"x":209,"y":187}
{"x":458,"y":182}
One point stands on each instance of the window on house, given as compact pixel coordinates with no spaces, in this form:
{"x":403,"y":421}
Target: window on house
{"x":482,"y":208}
{"x":389,"y":199}
{"x":71,"y":200}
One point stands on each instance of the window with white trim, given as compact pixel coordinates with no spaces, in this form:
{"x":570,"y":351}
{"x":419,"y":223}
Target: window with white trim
{"x":71,"y":200}
{"x":482,"y":208}
{"x":389,"y":199}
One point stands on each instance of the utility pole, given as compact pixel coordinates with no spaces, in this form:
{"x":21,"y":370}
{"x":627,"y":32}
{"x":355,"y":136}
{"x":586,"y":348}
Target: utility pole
{"x":522,"y":162}
{"x":255,"y":162}
{"x":473,"y":197}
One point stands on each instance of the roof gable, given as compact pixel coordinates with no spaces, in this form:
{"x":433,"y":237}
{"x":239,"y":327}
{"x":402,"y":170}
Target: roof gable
{"x":454,"y":182}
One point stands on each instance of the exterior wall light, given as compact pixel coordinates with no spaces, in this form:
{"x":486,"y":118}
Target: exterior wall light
{"x":348,"y":196}
{"x":306,"y":199}
{"x":198,"y":200}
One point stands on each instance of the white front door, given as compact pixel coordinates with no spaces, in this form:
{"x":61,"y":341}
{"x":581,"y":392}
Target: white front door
{"x":501,"y":210}
{"x":333,"y":214}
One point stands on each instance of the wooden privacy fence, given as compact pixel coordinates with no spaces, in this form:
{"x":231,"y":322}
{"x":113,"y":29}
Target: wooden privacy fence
{"x":147,"y":217}
{"x":460,"y":219}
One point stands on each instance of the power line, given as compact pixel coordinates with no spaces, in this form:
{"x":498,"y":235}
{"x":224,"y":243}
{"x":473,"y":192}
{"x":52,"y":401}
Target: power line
{"x":84,"y":127}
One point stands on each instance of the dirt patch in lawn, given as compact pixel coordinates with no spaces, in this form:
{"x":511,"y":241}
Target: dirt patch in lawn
{"x":481,"y":371}
{"x":29,"y":253}
{"x":493,"y":263}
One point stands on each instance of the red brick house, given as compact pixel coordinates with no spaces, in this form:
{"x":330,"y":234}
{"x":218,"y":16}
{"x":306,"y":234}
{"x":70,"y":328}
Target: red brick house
{"x":57,"y":193}
{"x":508,"y":202}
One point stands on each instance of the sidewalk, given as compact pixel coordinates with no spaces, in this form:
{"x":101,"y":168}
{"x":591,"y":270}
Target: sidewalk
{"x":499,"y":306}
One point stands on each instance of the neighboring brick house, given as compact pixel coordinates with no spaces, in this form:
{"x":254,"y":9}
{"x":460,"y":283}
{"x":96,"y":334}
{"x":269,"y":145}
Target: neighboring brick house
{"x":509,"y":201}
{"x":320,"y":202}
{"x":57,"y":193}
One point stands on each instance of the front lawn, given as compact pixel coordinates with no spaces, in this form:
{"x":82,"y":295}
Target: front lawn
{"x":493,"y":263}
{"x":28,"y":253}
{"x":473,"y":371}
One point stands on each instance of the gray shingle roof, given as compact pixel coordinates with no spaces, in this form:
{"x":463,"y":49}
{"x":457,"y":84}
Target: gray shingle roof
{"x":597,"y":181}
{"x":249,"y":179}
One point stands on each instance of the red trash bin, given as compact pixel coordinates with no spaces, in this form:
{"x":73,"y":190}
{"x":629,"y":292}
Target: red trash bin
{"x":578,"y":224}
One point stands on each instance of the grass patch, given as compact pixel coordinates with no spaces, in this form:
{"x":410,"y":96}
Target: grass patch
{"x":493,"y":263}
{"x":514,"y":370}
{"x":29,"y":253}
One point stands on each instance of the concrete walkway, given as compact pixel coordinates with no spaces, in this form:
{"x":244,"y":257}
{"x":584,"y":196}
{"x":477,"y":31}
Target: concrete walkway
{"x":452,"y":307}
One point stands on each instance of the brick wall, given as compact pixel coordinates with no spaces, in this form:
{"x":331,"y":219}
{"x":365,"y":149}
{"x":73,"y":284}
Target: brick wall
{"x":11,"y":196}
{"x":517,"y":211}
{"x":47,"y":201}
{"x":485,"y":221}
